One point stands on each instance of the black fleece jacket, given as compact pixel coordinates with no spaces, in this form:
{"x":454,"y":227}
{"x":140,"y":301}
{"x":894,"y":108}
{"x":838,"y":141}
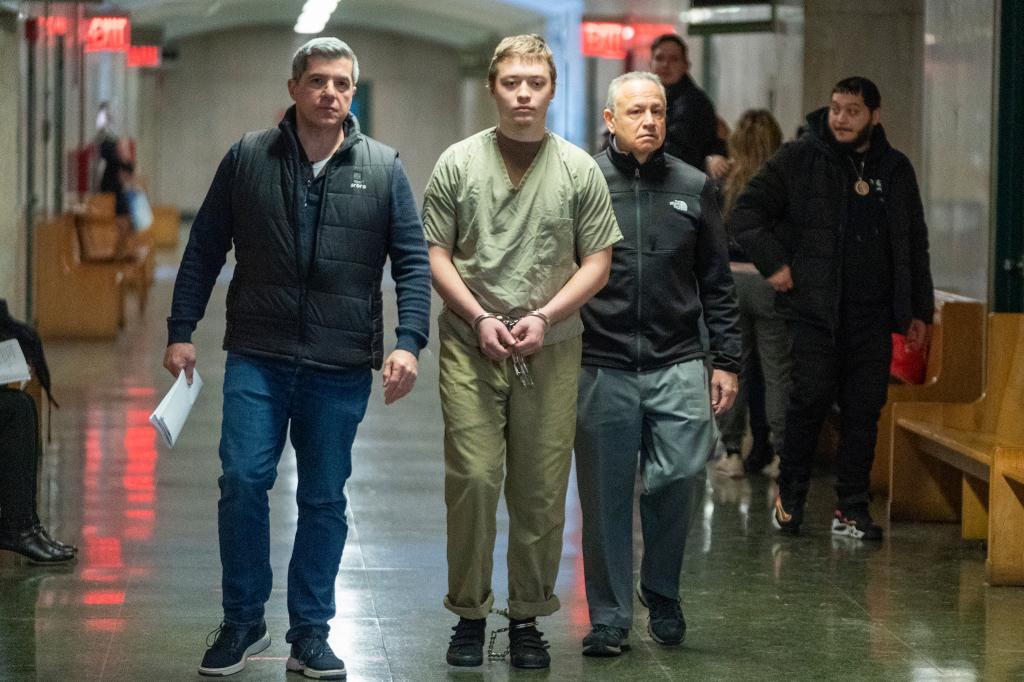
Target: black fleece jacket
{"x":794,"y":212}
{"x":670,"y":270}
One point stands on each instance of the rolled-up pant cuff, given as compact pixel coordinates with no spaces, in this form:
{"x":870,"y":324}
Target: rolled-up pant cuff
{"x":523,"y":610}
{"x":471,"y":612}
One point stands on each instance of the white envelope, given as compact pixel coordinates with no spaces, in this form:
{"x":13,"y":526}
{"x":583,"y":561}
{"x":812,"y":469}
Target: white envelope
{"x":169,"y":416}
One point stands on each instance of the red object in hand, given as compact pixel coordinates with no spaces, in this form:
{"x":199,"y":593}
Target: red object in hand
{"x":908,"y":366}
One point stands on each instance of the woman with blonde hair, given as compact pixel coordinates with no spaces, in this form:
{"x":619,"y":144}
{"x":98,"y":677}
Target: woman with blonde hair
{"x":755,"y":139}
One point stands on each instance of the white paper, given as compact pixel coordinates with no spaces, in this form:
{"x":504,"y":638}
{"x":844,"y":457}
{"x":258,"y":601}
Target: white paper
{"x":169,"y":416}
{"x":12,"y":363}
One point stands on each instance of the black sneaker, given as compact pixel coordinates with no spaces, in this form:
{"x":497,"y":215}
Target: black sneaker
{"x":855,"y":521}
{"x":231,"y":646}
{"x":526,"y":646}
{"x":665,"y":622}
{"x":466,"y":648}
{"x":786,"y":521}
{"x":605,"y":640}
{"x":312,"y":656}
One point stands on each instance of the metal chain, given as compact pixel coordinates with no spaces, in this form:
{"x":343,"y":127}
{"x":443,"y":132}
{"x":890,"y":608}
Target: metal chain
{"x":493,"y":655}
{"x":518,"y":361}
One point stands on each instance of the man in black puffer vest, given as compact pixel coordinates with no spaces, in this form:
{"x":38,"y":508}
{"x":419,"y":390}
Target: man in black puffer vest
{"x":835,"y":222}
{"x":644,"y":385}
{"x":313,"y":209}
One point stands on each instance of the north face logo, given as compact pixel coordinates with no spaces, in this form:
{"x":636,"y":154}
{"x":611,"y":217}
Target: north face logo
{"x":679,"y":205}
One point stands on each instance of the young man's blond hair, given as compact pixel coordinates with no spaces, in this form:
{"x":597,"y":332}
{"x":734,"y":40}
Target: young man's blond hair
{"x":528,"y":47}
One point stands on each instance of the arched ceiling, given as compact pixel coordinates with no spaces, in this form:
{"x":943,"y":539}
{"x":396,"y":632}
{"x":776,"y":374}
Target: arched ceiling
{"x":458,"y":23}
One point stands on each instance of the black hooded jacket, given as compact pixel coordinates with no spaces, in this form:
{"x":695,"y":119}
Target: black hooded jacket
{"x":691,"y":127}
{"x":794,"y":211}
{"x":670,"y":269}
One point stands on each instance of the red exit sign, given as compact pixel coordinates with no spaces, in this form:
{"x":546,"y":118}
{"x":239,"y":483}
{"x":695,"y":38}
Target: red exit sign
{"x":613,"y":39}
{"x":144,"y":56}
{"x":108,"y":34}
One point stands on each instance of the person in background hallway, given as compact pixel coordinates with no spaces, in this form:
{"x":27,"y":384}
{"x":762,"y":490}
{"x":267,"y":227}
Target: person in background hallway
{"x":313,"y":209}
{"x":644,"y":384}
{"x":20,"y":528}
{"x":118,"y":164}
{"x":520,"y":228}
{"x":756,"y":138}
{"x":691,"y":124}
{"x":835,"y":222}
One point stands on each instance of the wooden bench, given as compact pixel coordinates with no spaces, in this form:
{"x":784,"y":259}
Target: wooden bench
{"x":73,"y":299}
{"x":165,"y":227}
{"x":107,"y":238}
{"x":954,"y":371}
{"x":965,"y":461}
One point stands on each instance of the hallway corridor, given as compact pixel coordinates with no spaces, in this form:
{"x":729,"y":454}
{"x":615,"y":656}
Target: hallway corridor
{"x":145,"y":592}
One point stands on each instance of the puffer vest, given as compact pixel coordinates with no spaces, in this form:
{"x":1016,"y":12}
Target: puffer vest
{"x":326,"y":313}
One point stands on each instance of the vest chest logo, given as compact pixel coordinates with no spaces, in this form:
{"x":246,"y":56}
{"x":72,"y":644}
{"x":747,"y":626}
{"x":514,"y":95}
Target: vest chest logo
{"x":679,"y":205}
{"x":357,"y":181}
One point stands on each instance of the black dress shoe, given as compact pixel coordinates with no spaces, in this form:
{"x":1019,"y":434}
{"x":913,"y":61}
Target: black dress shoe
{"x":56,"y":543}
{"x":36,"y":545}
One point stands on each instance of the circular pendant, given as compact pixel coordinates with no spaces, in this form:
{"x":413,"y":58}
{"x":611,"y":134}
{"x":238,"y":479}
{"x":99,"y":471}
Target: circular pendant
{"x":861,"y":188}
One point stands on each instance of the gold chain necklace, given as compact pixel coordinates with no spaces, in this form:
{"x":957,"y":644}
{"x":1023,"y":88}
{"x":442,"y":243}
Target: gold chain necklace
{"x":861,"y":187}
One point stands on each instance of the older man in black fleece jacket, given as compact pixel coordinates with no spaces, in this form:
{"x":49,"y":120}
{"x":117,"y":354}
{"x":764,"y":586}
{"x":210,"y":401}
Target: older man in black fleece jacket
{"x":835,"y":222}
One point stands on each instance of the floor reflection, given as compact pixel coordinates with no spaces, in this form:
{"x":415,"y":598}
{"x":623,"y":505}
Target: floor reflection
{"x":145,"y":590}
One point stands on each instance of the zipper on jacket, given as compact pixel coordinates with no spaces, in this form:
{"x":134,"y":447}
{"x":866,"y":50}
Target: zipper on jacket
{"x":639,"y":266}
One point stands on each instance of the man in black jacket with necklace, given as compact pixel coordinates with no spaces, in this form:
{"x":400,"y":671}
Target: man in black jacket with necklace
{"x":644,"y":385}
{"x":835,"y":222}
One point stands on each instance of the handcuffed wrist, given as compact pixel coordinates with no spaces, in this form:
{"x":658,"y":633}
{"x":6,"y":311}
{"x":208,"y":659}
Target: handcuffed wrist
{"x":542,"y":316}
{"x":480,"y":318}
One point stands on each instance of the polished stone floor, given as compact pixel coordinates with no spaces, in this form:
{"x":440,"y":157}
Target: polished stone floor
{"x":145,"y":592}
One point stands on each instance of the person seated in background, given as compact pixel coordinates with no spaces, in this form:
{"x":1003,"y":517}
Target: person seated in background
{"x":20,"y":528}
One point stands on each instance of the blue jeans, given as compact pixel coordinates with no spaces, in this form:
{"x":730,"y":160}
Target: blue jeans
{"x":261,"y":397}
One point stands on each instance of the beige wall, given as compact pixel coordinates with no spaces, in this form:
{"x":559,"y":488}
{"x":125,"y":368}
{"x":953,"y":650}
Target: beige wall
{"x":229,"y":82}
{"x":879,"y":39}
{"x":12,"y":254}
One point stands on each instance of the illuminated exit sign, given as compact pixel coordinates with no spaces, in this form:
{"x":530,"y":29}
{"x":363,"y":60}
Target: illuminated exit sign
{"x":613,"y":39}
{"x":108,"y":34}
{"x":144,"y":56}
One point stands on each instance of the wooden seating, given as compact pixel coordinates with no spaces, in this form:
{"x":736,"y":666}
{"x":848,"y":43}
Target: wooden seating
{"x":166,"y":223}
{"x":965,"y":461}
{"x":954,"y":372}
{"x":108,"y":238}
{"x":74,"y":299}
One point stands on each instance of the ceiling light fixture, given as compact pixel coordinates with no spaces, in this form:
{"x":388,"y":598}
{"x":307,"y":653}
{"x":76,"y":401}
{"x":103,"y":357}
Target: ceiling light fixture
{"x":315,"y":15}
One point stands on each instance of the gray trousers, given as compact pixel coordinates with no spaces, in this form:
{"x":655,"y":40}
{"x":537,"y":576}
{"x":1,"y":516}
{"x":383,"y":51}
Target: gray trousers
{"x":665,"y":416}
{"x":767,"y":334}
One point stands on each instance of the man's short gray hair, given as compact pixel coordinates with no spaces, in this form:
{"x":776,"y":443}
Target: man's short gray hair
{"x":327,"y":48}
{"x":613,"y":87}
